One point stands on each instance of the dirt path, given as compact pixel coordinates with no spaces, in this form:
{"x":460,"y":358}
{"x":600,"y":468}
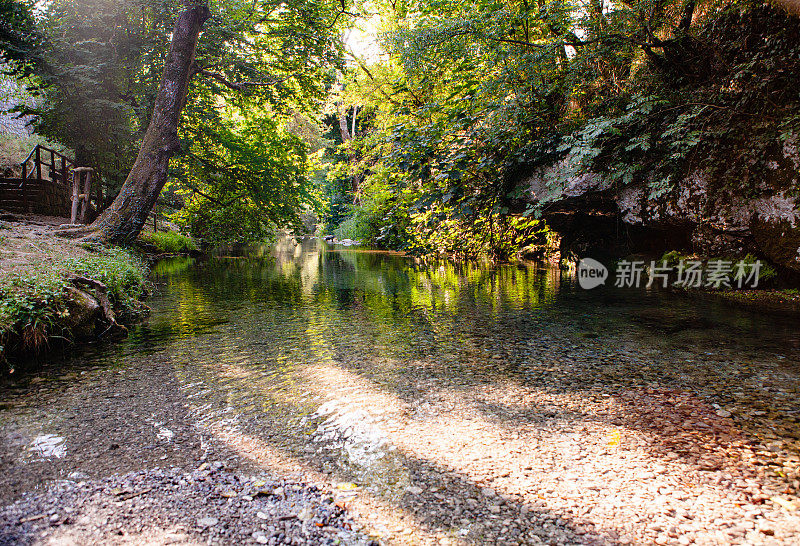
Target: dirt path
{"x":27,"y":241}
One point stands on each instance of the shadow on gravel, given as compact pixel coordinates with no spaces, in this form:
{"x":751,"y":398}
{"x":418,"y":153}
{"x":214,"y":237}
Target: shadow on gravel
{"x":142,"y":414}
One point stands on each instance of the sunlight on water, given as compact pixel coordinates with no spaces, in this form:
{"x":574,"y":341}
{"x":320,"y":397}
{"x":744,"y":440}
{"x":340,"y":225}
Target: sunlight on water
{"x":314,"y":348}
{"x":441,"y":399}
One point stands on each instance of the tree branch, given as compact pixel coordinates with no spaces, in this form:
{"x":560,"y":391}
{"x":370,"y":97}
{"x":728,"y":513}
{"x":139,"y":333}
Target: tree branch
{"x":237,"y":86}
{"x":214,"y":199}
{"x":688,"y":15}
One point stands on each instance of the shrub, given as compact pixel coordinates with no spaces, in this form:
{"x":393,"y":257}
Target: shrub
{"x":361,"y":226}
{"x":170,"y":242}
{"x":766,"y":271}
{"x":673,"y":258}
{"x":29,"y":304}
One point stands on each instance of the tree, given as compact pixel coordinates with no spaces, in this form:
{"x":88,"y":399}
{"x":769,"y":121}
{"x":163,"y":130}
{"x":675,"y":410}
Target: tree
{"x":253,"y":47}
{"x":348,"y":132}
{"x":123,"y":220}
{"x":99,"y":68}
{"x":244,"y":179}
{"x":18,"y":36}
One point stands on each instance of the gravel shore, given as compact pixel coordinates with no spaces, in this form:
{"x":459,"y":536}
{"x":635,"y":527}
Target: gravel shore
{"x":207,"y":506}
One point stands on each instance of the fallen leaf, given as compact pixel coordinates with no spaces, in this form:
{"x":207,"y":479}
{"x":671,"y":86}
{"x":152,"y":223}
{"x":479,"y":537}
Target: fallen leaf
{"x":789,"y":505}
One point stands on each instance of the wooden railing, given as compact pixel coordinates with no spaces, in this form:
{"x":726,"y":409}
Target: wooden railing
{"x":58,"y":167}
{"x":32,"y":168}
{"x":44,"y":164}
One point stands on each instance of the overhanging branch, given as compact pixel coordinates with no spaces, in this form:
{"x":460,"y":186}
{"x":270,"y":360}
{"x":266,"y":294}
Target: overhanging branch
{"x":237,"y":86}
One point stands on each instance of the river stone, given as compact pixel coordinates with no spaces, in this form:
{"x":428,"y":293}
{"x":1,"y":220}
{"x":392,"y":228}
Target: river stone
{"x":207,"y":522}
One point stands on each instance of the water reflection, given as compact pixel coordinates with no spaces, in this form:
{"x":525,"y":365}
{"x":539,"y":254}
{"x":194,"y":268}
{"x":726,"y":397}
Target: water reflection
{"x":429,"y":382}
{"x":252,"y":330}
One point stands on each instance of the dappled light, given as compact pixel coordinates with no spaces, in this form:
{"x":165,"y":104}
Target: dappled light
{"x":467,"y":404}
{"x":366,"y":273}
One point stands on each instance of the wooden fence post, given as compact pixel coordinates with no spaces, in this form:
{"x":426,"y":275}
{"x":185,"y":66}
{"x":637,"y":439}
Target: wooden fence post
{"x":87,"y":193}
{"x":25,"y":185}
{"x":76,"y":181}
{"x":99,"y":194}
{"x":38,"y":164}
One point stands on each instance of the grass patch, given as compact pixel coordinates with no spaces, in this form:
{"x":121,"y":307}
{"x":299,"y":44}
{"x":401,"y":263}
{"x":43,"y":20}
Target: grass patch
{"x":33,"y":302}
{"x":169,"y":242}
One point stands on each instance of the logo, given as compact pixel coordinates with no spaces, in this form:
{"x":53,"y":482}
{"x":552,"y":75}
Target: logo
{"x":591,"y":273}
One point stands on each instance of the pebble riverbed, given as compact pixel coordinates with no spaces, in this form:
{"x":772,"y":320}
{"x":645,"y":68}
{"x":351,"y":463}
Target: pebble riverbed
{"x":307,"y":399}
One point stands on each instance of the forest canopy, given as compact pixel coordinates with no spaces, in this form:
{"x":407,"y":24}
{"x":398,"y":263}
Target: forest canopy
{"x":412,"y":125}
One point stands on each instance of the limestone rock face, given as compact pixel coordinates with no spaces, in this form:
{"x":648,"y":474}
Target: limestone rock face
{"x":699,"y":213}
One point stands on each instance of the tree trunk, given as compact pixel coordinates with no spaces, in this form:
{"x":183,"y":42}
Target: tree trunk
{"x":123,"y":220}
{"x":347,"y":135}
{"x":342,"y":111}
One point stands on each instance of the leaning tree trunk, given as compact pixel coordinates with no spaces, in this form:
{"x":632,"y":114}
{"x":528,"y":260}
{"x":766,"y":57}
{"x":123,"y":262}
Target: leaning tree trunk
{"x":123,"y":220}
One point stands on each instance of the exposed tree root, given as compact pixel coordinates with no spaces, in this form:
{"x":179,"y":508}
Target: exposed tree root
{"x":101,"y":293}
{"x":87,"y":233}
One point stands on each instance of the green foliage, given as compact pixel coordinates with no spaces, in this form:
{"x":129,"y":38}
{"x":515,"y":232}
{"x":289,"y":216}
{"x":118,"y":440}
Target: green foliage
{"x":381,"y":219}
{"x":501,"y":236}
{"x":33,"y":305}
{"x":19,"y":38}
{"x":244,"y":173}
{"x":169,"y":242}
{"x":766,"y":271}
{"x":31,"y":300}
{"x":123,"y":273}
{"x":241,"y":184}
{"x":475,"y":101}
{"x":475,"y":94}
{"x":360,"y":226}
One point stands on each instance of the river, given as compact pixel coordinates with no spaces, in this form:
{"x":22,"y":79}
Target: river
{"x":443,"y":402}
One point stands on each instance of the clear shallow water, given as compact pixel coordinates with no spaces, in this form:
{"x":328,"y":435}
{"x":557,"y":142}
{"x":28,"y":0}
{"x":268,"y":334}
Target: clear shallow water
{"x":404,"y":377}
{"x":300,"y":344}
